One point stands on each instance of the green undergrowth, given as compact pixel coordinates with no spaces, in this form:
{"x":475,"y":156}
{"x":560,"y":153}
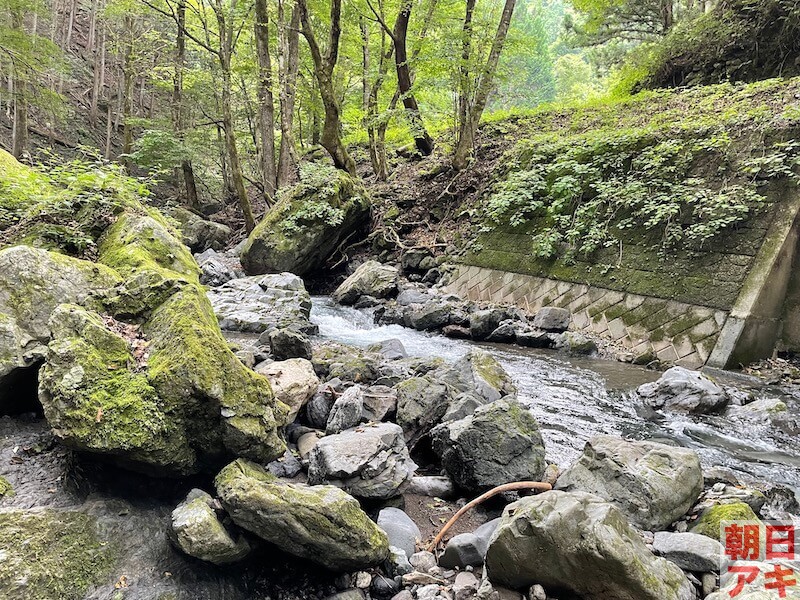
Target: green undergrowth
{"x":64,"y":206}
{"x":674,"y":168}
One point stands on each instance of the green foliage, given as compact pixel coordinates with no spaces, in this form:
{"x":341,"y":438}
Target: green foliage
{"x":158,"y":150}
{"x":64,"y":206}
{"x":683,"y":183}
{"x":318,"y":185}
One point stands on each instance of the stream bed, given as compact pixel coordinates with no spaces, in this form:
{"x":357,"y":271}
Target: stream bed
{"x":574,"y":398}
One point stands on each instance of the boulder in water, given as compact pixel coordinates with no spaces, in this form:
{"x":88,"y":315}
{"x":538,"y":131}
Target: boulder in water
{"x":684,"y":391}
{"x":578,"y":543}
{"x":369,"y":279}
{"x":552,"y":318}
{"x":652,"y":484}
{"x":259,"y":304}
{"x":319,"y":523}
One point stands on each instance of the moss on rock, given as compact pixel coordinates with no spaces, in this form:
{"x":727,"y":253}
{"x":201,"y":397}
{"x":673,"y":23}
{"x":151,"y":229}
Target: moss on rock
{"x":5,"y":488}
{"x":51,"y":555}
{"x":320,"y":523}
{"x":710,"y":521}
{"x":306,"y":226}
{"x":191,"y":363}
{"x":95,"y":402}
{"x":136,"y":243}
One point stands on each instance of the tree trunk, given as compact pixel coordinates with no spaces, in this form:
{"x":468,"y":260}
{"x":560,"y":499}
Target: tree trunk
{"x":127,"y":94}
{"x":422,"y":139}
{"x":323,"y":68}
{"x":464,"y":92}
{"x":19,"y":142}
{"x":178,"y":118}
{"x":288,"y":57}
{"x":266,"y":104}
{"x":466,"y":140}
{"x":225,"y":51}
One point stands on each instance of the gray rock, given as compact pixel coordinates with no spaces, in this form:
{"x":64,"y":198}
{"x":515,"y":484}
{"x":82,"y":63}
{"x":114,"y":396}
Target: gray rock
{"x":551,"y":318}
{"x":484,"y":322}
{"x":498,"y":444}
{"x":434,"y":486}
{"x":468,"y":549}
{"x":262,"y":303}
{"x":465,"y":586}
{"x":370,"y":462}
{"x":412,"y":296}
{"x":462,"y":406}
{"x":652,"y":484}
{"x":371,"y":278}
{"x":578,"y":543}
{"x":335,"y":360}
{"x":506,"y":332}
{"x":456,"y":332}
{"x":366,"y":302}
{"x":534,"y":338}
{"x":690,"y":551}
{"x":402,"y":532}
{"x":215,"y":269}
{"x":421,"y":403}
{"x":380,"y":403}
{"x":293,"y":382}
{"x":287,"y":466}
{"x":397,"y":564}
{"x":392,"y":349}
{"x":198,"y":233}
{"x":287,"y":343}
{"x":478,"y":372}
{"x":307,"y":442}
{"x":318,"y":409}
{"x":412,"y":259}
{"x":346,"y":411}
{"x":319,"y":523}
{"x":423,"y":561}
{"x":197,"y":531}
{"x":684,"y":391}
{"x":434,"y":314}
{"x":574,"y":343}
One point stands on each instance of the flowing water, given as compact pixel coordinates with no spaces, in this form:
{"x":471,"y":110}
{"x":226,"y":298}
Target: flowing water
{"x":575,"y":398}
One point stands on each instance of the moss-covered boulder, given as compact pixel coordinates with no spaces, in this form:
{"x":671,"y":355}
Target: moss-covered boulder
{"x":6,"y":489}
{"x":307,"y":224}
{"x":145,"y":242}
{"x":499,"y":443}
{"x":33,"y":282}
{"x":97,"y":397}
{"x":198,"y":233}
{"x":197,"y":530}
{"x":711,"y":518}
{"x":52,"y":555}
{"x":320,"y":523}
{"x":578,"y":544}
{"x":191,"y":364}
{"x":652,"y":484}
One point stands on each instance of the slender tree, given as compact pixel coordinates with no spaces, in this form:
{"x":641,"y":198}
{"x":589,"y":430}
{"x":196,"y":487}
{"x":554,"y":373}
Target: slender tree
{"x":288,"y":65}
{"x":266,"y":105}
{"x":324,"y":65}
{"x":466,"y":138}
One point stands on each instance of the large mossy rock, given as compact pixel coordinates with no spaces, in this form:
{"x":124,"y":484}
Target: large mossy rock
{"x":711,"y":519}
{"x":652,"y":484}
{"x":307,"y":224}
{"x":172,"y":399}
{"x":577,"y":543}
{"x":499,"y":443}
{"x":95,"y":402}
{"x":319,"y":523}
{"x":52,"y":555}
{"x":33,"y":282}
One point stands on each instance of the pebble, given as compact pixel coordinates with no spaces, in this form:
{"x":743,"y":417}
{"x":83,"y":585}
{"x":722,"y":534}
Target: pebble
{"x":363,"y":580}
{"x":536,"y":592}
{"x":423,"y":561}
